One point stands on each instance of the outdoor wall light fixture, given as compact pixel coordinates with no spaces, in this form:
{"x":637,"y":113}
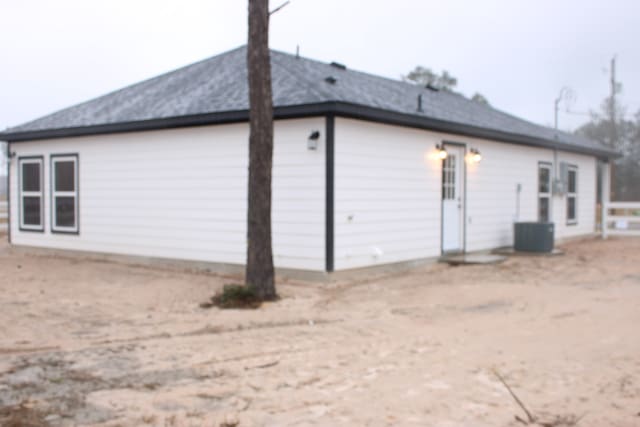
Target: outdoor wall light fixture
{"x":441,"y":152}
{"x":312,"y":142}
{"x":474,"y":155}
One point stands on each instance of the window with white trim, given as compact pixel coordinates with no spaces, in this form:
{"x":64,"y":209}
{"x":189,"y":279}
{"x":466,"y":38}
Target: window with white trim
{"x":449,"y":177}
{"x":544,"y":192}
{"x":31,"y":186}
{"x":572,"y":195}
{"x":64,"y":193}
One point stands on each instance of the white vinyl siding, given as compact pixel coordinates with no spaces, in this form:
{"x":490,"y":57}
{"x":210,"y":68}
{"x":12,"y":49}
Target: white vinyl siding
{"x":387,"y":194}
{"x":182,"y":194}
{"x":501,"y":189}
{"x":494,"y":203}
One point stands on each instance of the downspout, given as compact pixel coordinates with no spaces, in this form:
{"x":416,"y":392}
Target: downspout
{"x":605,"y":195}
{"x":329,"y":193}
{"x":518,"y":191}
{"x":554,"y":183}
{"x":9,"y":192}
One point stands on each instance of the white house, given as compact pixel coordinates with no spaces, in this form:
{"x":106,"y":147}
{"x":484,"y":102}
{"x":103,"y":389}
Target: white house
{"x":159,"y":169}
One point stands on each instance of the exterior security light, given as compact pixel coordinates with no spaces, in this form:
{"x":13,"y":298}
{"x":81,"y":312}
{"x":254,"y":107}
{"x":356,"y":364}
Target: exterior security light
{"x":474,"y":155}
{"x":312,"y":142}
{"x":441,"y":152}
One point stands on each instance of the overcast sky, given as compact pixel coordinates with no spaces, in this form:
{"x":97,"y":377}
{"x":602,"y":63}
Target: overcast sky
{"x":518,"y":54}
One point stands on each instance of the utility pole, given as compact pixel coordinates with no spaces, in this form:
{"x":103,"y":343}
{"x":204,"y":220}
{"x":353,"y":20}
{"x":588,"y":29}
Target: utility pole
{"x":565,"y":94}
{"x":613,"y":131}
{"x":556,"y":105}
{"x":612,"y":105}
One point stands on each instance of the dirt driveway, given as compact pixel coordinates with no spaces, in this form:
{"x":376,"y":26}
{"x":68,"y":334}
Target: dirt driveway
{"x":98,"y":343}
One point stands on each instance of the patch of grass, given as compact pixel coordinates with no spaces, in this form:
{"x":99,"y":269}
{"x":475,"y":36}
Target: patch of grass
{"x":234,"y":296}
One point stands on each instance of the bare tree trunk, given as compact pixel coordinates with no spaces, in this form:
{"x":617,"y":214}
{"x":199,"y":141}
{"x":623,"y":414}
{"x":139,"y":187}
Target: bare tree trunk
{"x":259,"y":271}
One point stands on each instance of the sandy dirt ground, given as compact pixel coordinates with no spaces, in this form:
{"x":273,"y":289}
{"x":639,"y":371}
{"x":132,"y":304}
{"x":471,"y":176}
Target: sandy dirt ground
{"x":87,"y":342}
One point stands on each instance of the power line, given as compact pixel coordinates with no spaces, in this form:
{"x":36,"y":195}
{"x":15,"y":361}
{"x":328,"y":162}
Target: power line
{"x":577,"y":113}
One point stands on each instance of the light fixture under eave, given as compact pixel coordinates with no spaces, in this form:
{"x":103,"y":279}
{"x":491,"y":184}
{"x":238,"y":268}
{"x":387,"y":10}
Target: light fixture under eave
{"x":312,"y":142}
{"x":474,"y":155}
{"x":441,"y":152}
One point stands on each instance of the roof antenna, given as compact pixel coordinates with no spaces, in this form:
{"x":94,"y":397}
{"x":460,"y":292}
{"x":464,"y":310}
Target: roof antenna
{"x":297,"y":51}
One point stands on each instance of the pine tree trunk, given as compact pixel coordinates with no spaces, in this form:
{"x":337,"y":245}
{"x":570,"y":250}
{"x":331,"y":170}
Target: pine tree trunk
{"x":259,"y":270}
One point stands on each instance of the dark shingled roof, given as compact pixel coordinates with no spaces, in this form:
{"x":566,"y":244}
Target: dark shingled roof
{"x":209,"y":90}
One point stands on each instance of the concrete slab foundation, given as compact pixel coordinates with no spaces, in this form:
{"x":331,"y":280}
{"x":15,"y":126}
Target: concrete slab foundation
{"x":473,"y":259}
{"x":513,"y":252}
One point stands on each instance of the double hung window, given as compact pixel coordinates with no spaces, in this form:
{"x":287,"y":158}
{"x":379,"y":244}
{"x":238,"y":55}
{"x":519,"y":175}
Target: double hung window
{"x":31,"y":191}
{"x":572,"y":195}
{"x":64,"y":193}
{"x":544,"y":192}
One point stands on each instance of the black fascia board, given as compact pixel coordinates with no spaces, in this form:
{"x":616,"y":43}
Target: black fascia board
{"x":223,"y":117}
{"x":426,"y":123}
{"x":337,"y":108}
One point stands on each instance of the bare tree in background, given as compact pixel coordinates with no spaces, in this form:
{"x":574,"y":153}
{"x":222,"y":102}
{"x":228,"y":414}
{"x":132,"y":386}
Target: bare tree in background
{"x":259,"y":270}
{"x":444,"y":81}
{"x":623,"y":135}
{"x":480,"y":98}
{"x":425,"y":76}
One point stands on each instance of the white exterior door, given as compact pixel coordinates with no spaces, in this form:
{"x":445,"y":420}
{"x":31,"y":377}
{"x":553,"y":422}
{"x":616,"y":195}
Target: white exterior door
{"x":453,"y":200}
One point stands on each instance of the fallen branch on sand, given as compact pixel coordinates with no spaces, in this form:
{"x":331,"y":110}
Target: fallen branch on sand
{"x":532,"y":419}
{"x":558,"y":421}
{"x":266,"y":365}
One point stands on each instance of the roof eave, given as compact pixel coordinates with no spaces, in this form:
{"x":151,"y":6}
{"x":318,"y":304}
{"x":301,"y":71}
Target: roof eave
{"x":338,"y":108}
{"x":422,"y":122}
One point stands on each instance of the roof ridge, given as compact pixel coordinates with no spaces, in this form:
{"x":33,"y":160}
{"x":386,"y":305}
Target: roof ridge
{"x":448,"y":93}
{"x":311,"y":85}
{"x":217,"y":85}
{"x":371,"y":75}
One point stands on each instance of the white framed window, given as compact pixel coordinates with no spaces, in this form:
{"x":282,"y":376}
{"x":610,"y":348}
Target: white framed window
{"x":31,"y":194}
{"x":64,"y":193}
{"x":544,"y":192}
{"x":449,"y":177}
{"x":572,"y":195}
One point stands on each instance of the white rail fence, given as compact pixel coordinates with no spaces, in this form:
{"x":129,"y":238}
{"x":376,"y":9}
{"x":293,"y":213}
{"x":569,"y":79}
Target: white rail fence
{"x":621,"y":219}
{"x":4,"y":216}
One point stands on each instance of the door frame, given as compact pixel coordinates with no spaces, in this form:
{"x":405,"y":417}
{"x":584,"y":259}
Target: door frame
{"x":463,"y":221}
